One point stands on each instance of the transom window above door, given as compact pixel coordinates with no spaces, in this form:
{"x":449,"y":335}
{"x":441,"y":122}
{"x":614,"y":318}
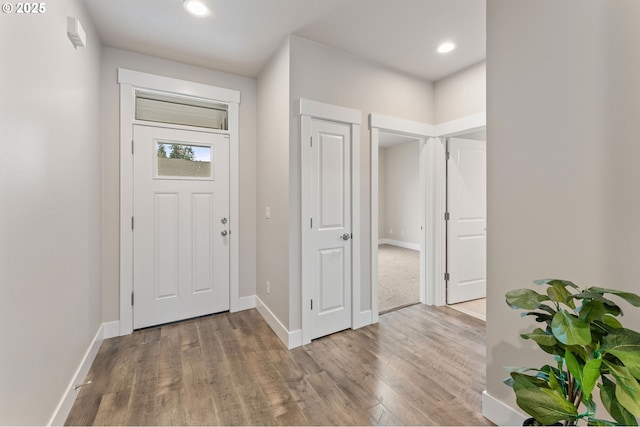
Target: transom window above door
{"x":180,"y":110}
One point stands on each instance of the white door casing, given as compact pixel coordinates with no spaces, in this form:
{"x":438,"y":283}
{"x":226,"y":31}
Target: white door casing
{"x":466,"y":228}
{"x":332,"y":166}
{"x":181,"y":240}
{"x":129,"y":82}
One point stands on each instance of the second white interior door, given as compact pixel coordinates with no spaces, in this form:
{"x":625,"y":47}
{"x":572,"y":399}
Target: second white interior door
{"x":181,"y":224}
{"x":467,"y":225}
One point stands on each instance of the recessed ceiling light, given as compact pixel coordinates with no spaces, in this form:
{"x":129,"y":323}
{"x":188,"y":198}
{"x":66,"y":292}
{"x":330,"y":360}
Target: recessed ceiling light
{"x":196,"y":7}
{"x":446,"y":47}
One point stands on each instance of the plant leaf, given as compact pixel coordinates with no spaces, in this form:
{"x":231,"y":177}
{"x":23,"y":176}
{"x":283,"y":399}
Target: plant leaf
{"x":545,"y":405}
{"x":540,"y":317}
{"x":570,"y":330}
{"x":627,"y":388}
{"x":609,"y":306}
{"x":573,"y":366}
{"x":592,"y":310}
{"x":613,"y":407}
{"x":525,"y":299}
{"x":625,"y":345}
{"x":612,"y":322}
{"x":559,"y":293}
{"x":552,"y":282}
{"x":541,"y":337}
{"x":598,"y":422}
{"x":590,"y":374}
{"x":551,"y":375}
{"x":630,"y":297}
{"x":521,"y":381}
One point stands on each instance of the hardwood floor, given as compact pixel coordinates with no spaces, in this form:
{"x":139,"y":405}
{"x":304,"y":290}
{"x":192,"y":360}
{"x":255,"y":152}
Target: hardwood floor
{"x":418,"y":366}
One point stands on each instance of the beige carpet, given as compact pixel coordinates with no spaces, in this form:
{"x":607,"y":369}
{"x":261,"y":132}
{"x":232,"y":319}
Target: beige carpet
{"x":398,"y":277}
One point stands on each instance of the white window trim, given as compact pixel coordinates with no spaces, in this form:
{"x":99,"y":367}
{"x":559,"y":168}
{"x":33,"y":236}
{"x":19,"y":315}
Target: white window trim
{"x":129,"y":82}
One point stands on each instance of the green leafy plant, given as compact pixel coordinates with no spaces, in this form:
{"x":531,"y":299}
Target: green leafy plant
{"x":591,"y":349}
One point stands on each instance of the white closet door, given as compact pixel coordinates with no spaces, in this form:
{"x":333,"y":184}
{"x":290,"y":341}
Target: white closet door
{"x":330,"y":239}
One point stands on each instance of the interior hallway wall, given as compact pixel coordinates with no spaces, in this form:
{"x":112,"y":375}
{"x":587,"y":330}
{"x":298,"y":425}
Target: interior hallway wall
{"x":50,"y":292}
{"x":461,"y":94}
{"x":562,"y":176}
{"x":273,"y":184}
{"x":399,"y":191}
{"x":328,"y":75}
{"x":112,"y":59}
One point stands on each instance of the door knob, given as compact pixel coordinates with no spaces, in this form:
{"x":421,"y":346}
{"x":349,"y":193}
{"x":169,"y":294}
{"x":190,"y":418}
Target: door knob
{"x":345,"y":236}
{"x":224,"y":233}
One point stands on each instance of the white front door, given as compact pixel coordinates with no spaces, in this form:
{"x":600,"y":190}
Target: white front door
{"x":180,"y":224}
{"x":330,"y":245}
{"x":467,"y":225}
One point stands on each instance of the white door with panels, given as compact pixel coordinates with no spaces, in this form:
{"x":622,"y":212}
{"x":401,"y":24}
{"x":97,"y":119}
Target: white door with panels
{"x":180,"y":225}
{"x":330,"y":245}
{"x":467,"y":224}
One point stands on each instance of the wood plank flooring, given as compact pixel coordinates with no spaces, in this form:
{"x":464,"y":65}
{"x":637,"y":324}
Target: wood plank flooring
{"x":418,"y":366}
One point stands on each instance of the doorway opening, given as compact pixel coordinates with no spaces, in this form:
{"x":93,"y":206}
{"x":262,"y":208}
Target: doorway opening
{"x":399,"y":222}
{"x":432,"y":159}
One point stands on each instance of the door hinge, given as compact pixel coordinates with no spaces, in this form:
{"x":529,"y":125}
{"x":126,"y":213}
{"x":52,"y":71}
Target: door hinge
{"x":446,"y":276}
{"x":448,"y":156}
{"x":131,"y":298}
{"x":311,"y":304}
{"x":132,"y":223}
{"x":446,"y":216}
{"x":311,"y":222}
{"x":132,"y":146}
{"x":310,"y":141}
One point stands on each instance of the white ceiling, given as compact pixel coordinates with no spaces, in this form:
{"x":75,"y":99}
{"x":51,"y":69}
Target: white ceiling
{"x":241,"y":35}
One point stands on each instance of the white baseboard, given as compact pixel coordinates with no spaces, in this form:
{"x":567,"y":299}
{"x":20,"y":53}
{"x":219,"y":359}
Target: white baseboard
{"x":290,"y":339}
{"x":246,"y":303}
{"x":500,"y":413}
{"x":66,"y":402}
{"x":406,"y":245}
{"x":111,"y":329}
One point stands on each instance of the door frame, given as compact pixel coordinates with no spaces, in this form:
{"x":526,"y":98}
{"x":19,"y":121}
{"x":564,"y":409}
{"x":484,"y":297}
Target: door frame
{"x":433,"y":181}
{"x":310,"y":110}
{"x":129,"y":82}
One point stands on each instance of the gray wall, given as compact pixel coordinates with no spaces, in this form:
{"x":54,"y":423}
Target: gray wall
{"x":327,"y":75}
{"x":273,"y":184}
{"x":112,"y":59}
{"x":562,"y":158}
{"x":50,"y":296}
{"x":399,"y":192}
{"x":461,"y":94}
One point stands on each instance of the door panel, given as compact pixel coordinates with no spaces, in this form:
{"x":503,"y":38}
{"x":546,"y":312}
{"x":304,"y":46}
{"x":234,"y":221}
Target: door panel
{"x":181,"y":194}
{"x":203,"y":242}
{"x":330,"y":236}
{"x":466,"y":228}
{"x":332,"y":180}
{"x":331,"y":281}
